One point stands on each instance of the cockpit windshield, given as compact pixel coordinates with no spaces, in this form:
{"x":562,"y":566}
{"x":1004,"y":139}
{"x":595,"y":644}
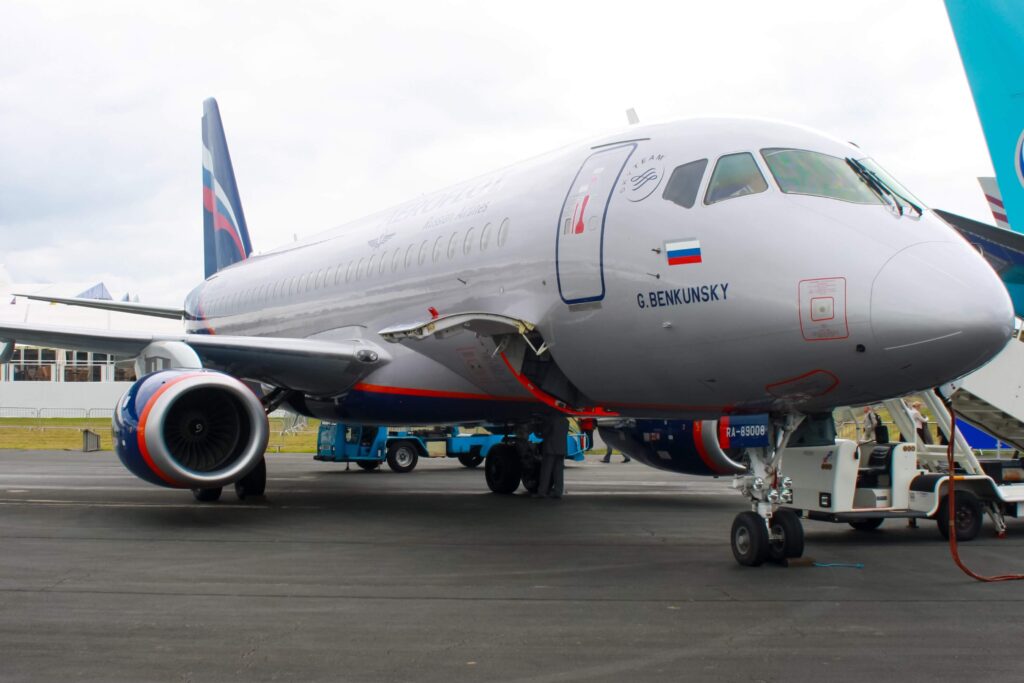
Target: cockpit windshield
{"x":799,"y":171}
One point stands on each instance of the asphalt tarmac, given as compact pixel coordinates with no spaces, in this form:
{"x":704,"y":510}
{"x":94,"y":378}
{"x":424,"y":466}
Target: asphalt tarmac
{"x":375,"y":576}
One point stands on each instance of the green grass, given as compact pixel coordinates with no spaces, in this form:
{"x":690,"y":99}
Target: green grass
{"x":28,"y":433}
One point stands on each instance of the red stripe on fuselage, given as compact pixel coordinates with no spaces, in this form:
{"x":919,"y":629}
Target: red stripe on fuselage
{"x":548,"y":399}
{"x":432,"y":393}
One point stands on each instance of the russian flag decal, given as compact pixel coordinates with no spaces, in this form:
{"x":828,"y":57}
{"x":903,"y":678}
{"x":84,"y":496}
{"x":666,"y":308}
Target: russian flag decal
{"x":682,"y":252}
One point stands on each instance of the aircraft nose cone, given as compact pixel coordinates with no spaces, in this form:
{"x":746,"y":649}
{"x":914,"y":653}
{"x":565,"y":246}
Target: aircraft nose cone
{"x":938,"y":311}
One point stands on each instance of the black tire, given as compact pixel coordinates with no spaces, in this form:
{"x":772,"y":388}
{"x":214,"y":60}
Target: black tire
{"x":749,"y":539}
{"x":471,"y":460}
{"x":207,"y":495}
{"x":969,"y":516}
{"x":503,"y":469}
{"x":786,"y":525}
{"x":368,"y":465}
{"x":869,"y":524}
{"x":254,"y":483}
{"x":402,"y":456}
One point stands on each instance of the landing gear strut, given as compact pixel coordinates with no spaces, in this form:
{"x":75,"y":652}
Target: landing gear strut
{"x":766,"y":531}
{"x":254,"y":483}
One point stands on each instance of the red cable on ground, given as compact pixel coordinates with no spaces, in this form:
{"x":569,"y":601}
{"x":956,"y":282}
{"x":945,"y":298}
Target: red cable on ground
{"x":954,"y":551}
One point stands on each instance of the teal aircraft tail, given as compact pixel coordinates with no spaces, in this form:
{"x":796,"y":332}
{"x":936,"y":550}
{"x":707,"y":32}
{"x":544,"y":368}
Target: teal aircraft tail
{"x":990,"y":35}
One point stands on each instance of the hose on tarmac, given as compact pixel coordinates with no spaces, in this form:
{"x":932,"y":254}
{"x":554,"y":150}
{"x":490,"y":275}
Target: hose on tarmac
{"x":953,"y":549}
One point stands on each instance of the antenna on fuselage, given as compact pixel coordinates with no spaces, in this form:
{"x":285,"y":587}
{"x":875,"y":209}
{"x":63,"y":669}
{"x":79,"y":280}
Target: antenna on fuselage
{"x":631,"y":117}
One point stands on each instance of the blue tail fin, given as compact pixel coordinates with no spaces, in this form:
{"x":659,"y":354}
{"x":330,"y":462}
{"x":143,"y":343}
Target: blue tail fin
{"x":989,"y":37}
{"x":225,"y":235}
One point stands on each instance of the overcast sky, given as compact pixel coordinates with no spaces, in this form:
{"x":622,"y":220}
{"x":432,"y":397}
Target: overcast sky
{"x":334,"y":110}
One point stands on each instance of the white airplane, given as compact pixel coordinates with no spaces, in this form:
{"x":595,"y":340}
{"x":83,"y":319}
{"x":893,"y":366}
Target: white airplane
{"x":683,"y":271}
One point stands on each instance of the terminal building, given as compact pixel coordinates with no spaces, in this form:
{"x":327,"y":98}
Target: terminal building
{"x":48,"y":382}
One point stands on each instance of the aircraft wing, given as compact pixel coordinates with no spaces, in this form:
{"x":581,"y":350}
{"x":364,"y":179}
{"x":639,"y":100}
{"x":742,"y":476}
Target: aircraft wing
{"x":320,"y":368}
{"x":118,"y":306}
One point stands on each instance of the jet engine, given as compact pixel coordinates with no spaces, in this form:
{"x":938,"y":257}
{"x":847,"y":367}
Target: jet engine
{"x":689,"y":446}
{"x":196,"y":429}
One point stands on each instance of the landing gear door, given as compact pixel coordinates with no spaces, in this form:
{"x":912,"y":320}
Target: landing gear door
{"x":579,"y":246}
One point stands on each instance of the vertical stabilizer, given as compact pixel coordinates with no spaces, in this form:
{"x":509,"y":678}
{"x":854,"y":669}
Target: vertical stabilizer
{"x":225,"y":235}
{"x":992,"y":50}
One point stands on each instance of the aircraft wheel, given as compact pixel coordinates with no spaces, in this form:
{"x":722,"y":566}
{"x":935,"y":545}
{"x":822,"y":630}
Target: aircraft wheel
{"x":503,"y":469}
{"x":402,"y":456}
{"x":207,"y":495}
{"x":471,"y":460}
{"x":786,"y":525}
{"x":368,"y":465}
{"x":254,"y":483}
{"x":749,"y":539}
{"x":967,"y":518}
{"x":867,"y":524}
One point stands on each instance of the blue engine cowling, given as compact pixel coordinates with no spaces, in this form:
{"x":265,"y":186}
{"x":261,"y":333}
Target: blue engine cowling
{"x":190,"y":429}
{"x":708,"y":447}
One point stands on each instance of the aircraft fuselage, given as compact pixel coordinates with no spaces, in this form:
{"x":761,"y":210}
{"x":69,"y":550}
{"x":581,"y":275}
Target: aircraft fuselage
{"x":764,"y":301}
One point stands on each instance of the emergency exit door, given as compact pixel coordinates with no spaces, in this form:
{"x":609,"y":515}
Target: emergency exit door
{"x":579,"y":246}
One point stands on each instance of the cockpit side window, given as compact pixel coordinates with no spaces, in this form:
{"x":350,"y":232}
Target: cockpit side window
{"x":684,"y":183}
{"x":735,"y":175}
{"x":799,"y":171}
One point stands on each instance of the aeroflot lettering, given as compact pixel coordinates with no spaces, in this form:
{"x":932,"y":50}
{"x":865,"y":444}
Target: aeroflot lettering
{"x":684,"y":295}
{"x":440,"y":200}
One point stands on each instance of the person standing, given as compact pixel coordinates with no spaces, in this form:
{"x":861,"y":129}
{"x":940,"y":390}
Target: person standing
{"x":554,"y":450}
{"x":873,"y":427}
{"x":920,"y":422}
{"x":608,"y":455}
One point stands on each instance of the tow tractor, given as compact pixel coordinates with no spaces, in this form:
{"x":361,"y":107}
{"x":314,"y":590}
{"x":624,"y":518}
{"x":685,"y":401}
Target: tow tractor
{"x":864,"y":484}
{"x":368,"y":445}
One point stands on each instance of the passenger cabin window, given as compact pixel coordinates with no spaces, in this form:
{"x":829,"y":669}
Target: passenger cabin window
{"x":735,"y":175}
{"x":799,"y":171}
{"x":684,"y":183}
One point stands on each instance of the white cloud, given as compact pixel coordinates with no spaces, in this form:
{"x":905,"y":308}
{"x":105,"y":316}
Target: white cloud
{"x":334,"y":110}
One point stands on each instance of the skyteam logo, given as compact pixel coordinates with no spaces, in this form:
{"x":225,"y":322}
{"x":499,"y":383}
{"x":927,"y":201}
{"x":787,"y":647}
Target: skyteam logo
{"x":215,"y":202}
{"x":641,"y":179}
{"x":1018,"y":159}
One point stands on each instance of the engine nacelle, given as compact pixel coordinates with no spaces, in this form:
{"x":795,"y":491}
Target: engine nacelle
{"x":190,"y":429}
{"x":709,"y":447}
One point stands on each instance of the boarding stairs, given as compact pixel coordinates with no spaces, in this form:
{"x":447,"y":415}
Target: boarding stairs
{"x":992,"y":399}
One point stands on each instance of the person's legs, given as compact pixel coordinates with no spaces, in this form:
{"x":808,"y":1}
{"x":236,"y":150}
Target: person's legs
{"x":607,"y":455}
{"x":557,"y":478}
{"x":547,"y":471}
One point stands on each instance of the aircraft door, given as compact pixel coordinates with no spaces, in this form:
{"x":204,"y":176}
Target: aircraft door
{"x":579,"y":245}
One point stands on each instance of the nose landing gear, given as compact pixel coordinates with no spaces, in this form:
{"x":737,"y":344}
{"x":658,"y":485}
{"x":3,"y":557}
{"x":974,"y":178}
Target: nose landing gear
{"x":766,"y":532}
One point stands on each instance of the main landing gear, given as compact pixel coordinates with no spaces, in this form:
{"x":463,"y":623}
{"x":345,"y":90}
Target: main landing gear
{"x":513,"y":462}
{"x":252,"y":484}
{"x":767,"y":532}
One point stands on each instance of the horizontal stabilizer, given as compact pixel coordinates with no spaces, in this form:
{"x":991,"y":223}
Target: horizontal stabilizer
{"x":108,"y":305}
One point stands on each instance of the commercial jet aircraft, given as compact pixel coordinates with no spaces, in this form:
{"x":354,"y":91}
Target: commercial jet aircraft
{"x":684,"y":271}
